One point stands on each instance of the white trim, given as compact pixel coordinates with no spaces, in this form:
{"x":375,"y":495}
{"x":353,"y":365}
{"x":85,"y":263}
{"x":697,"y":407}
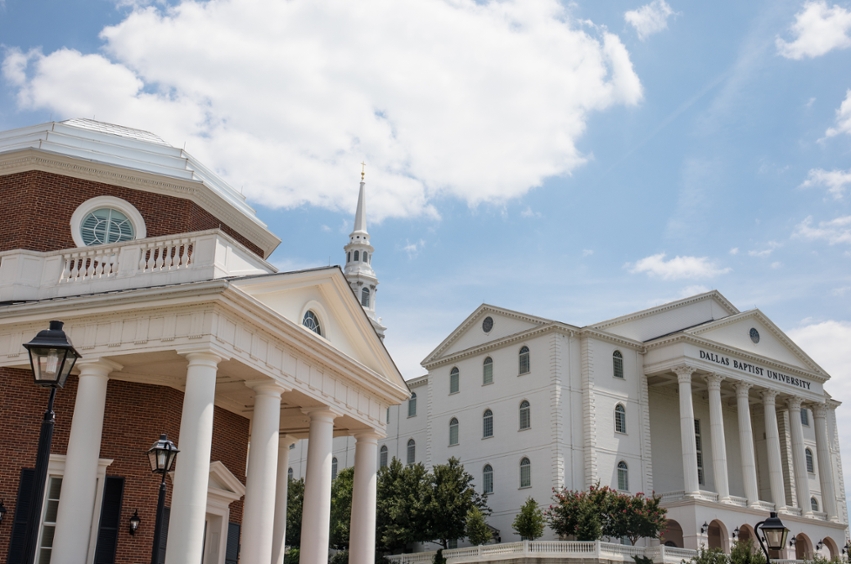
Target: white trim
{"x":125,"y":207}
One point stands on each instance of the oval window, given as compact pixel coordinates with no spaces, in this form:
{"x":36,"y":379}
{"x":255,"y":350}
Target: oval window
{"x":104,"y":226}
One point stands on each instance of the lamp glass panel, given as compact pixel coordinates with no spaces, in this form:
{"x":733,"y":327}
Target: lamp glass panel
{"x":171,"y":455}
{"x":70,"y":360}
{"x":46,"y":363}
{"x":162,"y":459}
{"x":775,"y":538}
{"x":152,"y":457}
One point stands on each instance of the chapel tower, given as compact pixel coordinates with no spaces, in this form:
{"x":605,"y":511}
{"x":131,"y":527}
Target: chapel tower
{"x":358,"y":268}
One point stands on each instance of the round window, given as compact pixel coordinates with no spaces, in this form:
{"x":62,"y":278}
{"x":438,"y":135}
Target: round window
{"x":754,"y":335}
{"x":104,"y":226}
{"x":487,"y":324}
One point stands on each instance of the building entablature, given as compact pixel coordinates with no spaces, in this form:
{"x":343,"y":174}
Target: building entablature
{"x":148,"y":336}
{"x":734,"y":365}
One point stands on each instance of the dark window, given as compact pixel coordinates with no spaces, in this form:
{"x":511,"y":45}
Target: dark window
{"x":808,"y":454}
{"x":454,"y":380}
{"x":524,"y":360}
{"x":805,"y":417}
{"x":357,"y":256}
{"x":623,"y":476}
{"x":487,"y":371}
{"x":110,"y":520}
{"x":232,"y":550}
{"x":382,"y":458}
{"x":364,"y":297}
{"x":620,"y":419}
{"x":525,"y":415}
{"x":699,"y":444}
{"x":487,"y":424}
{"x":334,"y":468}
{"x":164,"y":533}
{"x":412,"y":405}
{"x":617,"y":364}
{"x":412,"y":451}
{"x":453,"y":432}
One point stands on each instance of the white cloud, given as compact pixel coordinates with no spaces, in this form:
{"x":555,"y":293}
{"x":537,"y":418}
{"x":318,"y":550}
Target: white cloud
{"x":693,"y":291}
{"x":818,"y":29}
{"x":765,"y":252}
{"x":587,"y":252}
{"x":834,"y":231}
{"x":734,"y":251}
{"x":529,"y":213}
{"x":835,"y":180}
{"x":649,"y":19}
{"x":413,"y":249}
{"x":776,"y":265}
{"x":843,"y":118}
{"x":676,"y":268}
{"x":478,"y":101}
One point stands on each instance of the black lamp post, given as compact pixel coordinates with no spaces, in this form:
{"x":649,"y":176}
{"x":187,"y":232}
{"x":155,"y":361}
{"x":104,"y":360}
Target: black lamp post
{"x":52,"y":356}
{"x":774,"y":532}
{"x":161,"y":456}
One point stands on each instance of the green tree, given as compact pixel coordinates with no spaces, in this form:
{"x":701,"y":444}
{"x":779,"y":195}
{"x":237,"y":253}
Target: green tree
{"x":400,"y":517}
{"x":710,"y":556}
{"x":529,"y":523}
{"x":450,"y":496}
{"x":341,"y":508}
{"x":575,"y":514}
{"x":634,"y":517}
{"x":295,"y":504}
{"x":746,"y":552}
{"x":478,"y":531}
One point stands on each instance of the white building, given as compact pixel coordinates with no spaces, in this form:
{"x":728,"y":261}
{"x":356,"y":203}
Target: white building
{"x":715,"y":409}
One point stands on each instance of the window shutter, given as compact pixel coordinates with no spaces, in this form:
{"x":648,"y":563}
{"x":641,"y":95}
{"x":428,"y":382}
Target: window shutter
{"x":22,"y":512}
{"x":164,"y":533}
{"x":110,"y":517}
{"x":232,"y":550}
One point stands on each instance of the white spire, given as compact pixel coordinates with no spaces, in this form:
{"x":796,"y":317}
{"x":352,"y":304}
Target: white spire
{"x":359,"y":254}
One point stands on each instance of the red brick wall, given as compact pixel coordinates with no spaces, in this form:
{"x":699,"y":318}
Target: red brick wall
{"x":135,"y":416}
{"x":37,"y":209}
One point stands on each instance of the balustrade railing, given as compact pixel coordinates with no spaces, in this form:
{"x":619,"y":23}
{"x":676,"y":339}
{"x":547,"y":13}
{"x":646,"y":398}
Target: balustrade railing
{"x":552,"y":549}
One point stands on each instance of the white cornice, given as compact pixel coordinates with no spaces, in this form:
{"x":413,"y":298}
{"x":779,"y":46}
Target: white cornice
{"x":247,"y":225}
{"x":714,"y":294}
{"x":467,"y":323}
{"x":695,"y":340}
{"x":774,"y":329}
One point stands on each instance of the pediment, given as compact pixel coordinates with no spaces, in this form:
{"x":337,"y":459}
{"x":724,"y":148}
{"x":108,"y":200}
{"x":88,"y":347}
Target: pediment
{"x":471,"y":333}
{"x":669,"y":318}
{"x":343,"y":322}
{"x":735,"y":332}
{"x":223,"y":482}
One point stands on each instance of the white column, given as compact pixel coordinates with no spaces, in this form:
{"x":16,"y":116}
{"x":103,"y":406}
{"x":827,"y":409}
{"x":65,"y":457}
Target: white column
{"x":772,"y":444}
{"x":79,"y":484}
{"x":192,"y":467}
{"x":825,"y":468}
{"x":719,"y":443}
{"x":746,"y":443}
{"x":316,"y":515}
{"x":802,"y":481}
{"x":279,"y":539}
{"x":362,"y":533}
{"x":691,"y":483}
{"x":258,"y":516}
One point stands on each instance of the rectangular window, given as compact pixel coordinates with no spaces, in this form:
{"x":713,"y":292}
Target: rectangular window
{"x":110,"y":520}
{"x":525,"y":475}
{"x":412,"y":406}
{"x":48,"y":519}
{"x":232,"y":547}
{"x":805,"y":417}
{"x":699,"y":445}
{"x":487,"y":372}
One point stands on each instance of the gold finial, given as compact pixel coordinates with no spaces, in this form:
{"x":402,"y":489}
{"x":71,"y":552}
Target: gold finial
{"x":362,"y":171}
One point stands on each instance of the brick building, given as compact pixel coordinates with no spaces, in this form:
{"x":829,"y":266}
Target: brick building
{"x":157,"y":267}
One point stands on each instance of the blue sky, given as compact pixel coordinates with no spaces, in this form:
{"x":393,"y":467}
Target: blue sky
{"x":576,"y":161}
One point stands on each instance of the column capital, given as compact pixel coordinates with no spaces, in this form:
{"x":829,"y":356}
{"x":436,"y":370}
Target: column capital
{"x":320,"y":412}
{"x":742,"y":389}
{"x":97,"y":366}
{"x":769,"y":397}
{"x":684,"y":373}
{"x":367,"y":436}
{"x":820,"y":410}
{"x":794,"y":403}
{"x":266,"y":388}
{"x":713,"y":381}
{"x":204,"y":357}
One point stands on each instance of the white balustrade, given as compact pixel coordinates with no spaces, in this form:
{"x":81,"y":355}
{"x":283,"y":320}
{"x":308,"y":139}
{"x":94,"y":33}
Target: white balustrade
{"x":608,"y":551}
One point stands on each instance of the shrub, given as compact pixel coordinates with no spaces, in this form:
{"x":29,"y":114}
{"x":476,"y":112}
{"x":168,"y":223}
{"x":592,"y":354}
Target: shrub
{"x":529,"y":523}
{"x":746,"y":552}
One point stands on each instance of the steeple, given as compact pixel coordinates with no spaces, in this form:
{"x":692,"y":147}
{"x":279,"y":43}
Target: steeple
{"x":359,"y":254}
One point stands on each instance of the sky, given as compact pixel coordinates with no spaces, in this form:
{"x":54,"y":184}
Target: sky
{"x":572,"y":160}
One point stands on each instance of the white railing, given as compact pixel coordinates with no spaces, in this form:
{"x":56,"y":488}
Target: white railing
{"x":551,"y":549}
{"x":668,"y":497}
{"x":189,"y":257}
{"x":793,"y":511}
{"x":764,"y":505}
{"x":739,"y":501}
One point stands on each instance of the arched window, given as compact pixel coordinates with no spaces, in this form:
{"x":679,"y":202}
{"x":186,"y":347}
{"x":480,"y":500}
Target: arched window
{"x":617,"y":364}
{"x":623,"y":476}
{"x":487,"y":371}
{"x":809,"y":456}
{"x":524,"y":360}
{"x":620,"y":419}
{"x":334,"y":468}
{"x":805,"y":417}
{"x":349,"y":256}
{"x":814,"y":504}
{"x":412,"y":451}
{"x":454,"y":380}
{"x":412,"y":405}
{"x":487,"y":424}
{"x":311,"y":322}
{"x":289,"y":473}
{"x":487,"y":479}
{"x":525,"y":473}
{"x":525,"y":415}
{"x":365,"y":256}
{"x":364,"y":297}
{"x":357,"y":256}
{"x":382,"y":457}
{"x":453,"y":432}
